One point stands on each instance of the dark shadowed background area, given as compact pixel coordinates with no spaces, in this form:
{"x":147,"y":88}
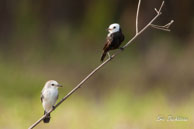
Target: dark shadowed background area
{"x":63,"y":40}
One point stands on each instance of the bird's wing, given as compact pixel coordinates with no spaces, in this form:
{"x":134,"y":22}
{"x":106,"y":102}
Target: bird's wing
{"x":118,"y":37}
{"x":41,"y":97}
{"x":109,"y":40}
{"x":122,"y":37}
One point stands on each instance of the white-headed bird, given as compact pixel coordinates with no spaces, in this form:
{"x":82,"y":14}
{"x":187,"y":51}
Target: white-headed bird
{"x":49,"y":96}
{"x":113,"y":40}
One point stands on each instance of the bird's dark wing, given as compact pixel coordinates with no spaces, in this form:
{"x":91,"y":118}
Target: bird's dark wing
{"x":118,"y":37}
{"x":109,"y":40}
{"x":122,"y":37}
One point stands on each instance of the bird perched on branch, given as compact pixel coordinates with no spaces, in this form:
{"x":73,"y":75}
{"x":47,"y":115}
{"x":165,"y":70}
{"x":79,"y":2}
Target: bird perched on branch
{"x":49,"y":96}
{"x":113,"y":40}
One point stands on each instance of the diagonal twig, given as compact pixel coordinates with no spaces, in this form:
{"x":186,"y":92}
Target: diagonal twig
{"x":158,"y":11}
{"x":106,"y":61}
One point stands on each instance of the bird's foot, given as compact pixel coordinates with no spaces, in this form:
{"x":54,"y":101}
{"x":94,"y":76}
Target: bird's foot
{"x":109,"y":56}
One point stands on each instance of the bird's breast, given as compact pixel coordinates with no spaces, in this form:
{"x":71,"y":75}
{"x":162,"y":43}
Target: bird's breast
{"x":50,"y":93}
{"x":50,"y":98}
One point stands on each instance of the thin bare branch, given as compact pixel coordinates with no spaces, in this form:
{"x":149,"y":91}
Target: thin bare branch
{"x":161,"y":7}
{"x":156,"y":10}
{"x":169,"y":24}
{"x":106,"y":61}
{"x":159,"y":27}
{"x":164,"y":27}
{"x":137,"y":16}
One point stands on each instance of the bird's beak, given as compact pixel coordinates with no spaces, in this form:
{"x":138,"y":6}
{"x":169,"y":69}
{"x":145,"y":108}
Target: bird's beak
{"x":108,"y":29}
{"x":59,"y":85}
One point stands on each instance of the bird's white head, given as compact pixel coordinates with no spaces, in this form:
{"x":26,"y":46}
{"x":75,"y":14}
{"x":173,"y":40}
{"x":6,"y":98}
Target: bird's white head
{"x":52,"y":84}
{"x":115,"y":27}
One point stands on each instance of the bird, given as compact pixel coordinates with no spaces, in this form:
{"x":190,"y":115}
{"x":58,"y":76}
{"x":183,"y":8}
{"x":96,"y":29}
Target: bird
{"x":49,"y":96}
{"x":113,"y":40}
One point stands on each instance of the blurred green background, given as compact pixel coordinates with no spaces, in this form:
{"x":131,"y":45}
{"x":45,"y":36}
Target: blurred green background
{"x":63,"y":40}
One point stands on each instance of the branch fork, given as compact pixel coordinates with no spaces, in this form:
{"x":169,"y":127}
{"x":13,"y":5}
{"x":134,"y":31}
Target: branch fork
{"x":164,"y":27}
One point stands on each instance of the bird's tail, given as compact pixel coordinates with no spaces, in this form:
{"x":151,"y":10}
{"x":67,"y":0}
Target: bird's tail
{"x":103,"y":56}
{"x":47,"y":118}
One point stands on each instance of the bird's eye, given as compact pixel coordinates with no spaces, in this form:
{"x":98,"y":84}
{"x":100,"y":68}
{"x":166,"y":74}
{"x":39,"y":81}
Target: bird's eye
{"x":114,"y":27}
{"x":52,"y":84}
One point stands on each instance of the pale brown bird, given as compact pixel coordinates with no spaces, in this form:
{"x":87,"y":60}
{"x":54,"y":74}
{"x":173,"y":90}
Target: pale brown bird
{"x":49,"y":96}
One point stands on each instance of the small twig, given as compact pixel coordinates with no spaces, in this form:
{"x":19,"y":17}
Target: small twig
{"x":159,"y":11}
{"x":164,"y":27}
{"x":169,"y":24}
{"x":137,"y":16}
{"x":156,"y":10}
{"x":159,"y":27}
{"x":106,"y":61}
